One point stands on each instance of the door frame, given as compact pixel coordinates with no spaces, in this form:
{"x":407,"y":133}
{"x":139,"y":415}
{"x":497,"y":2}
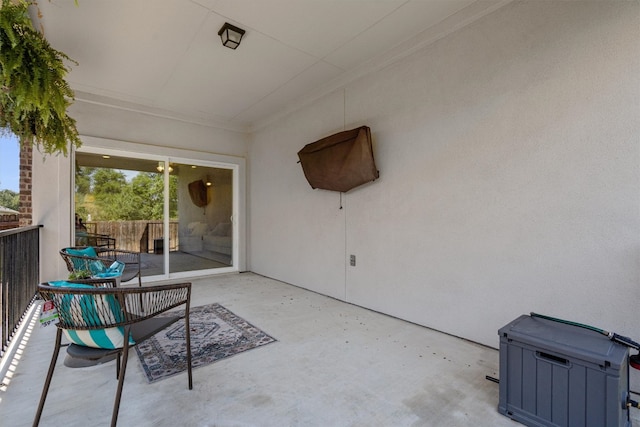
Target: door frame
{"x":103,"y":146}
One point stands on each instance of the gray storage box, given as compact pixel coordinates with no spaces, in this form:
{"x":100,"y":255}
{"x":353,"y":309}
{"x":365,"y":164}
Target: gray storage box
{"x":554,"y":375}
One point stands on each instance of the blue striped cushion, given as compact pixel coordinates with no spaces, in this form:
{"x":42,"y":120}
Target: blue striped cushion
{"x":88,"y":251}
{"x":96,"y":268}
{"x":78,"y":254}
{"x":115,"y":270}
{"x":72,"y":305}
{"x":109,"y":338}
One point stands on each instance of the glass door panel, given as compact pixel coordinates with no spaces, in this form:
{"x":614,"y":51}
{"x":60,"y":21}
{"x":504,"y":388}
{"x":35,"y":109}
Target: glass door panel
{"x":120,"y":201}
{"x":204,"y":230}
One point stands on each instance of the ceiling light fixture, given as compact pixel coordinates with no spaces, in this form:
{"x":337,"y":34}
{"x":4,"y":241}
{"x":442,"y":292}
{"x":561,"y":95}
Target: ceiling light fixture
{"x":208,"y":181}
{"x":231,"y":35}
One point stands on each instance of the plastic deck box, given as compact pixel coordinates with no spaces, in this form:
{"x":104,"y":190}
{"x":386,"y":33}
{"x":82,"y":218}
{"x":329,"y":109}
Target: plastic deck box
{"x":556,"y":375}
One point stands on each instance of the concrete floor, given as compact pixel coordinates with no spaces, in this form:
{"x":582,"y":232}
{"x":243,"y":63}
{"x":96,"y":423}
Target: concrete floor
{"x":334,"y":365}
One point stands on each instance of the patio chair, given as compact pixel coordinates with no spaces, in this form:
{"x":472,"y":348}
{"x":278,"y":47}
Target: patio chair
{"x":101,"y":320}
{"x":94,"y":239}
{"x":81,"y":258}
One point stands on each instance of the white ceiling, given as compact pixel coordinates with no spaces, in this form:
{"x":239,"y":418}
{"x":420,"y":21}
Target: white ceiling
{"x":165,"y":56}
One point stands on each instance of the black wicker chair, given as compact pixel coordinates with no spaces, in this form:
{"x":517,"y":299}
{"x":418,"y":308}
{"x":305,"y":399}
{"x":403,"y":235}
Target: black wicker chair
{"x":91,"y":310}
{"x":81,"y":257}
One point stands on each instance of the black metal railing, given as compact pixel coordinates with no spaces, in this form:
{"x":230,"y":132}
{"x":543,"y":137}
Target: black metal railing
{"x":19,"y":276}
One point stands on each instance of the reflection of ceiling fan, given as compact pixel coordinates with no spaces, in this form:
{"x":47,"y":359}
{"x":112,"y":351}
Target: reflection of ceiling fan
{"x":160,"y":167}
{"x":198,"y":193}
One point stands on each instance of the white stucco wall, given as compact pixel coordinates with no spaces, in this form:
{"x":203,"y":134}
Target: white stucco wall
{"x":509,"y":154}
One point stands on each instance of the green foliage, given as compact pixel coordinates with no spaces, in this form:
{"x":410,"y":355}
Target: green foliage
{"x":34,"y":95}
{"x":10,"y":199}
{"x":107,"y":196}
{"x":108,"y":181}
{"x":83,"y":180}
{"x":80,"y":274}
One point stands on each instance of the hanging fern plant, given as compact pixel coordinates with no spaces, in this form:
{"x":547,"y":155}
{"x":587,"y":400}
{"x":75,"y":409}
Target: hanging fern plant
{"x":34,"y":95}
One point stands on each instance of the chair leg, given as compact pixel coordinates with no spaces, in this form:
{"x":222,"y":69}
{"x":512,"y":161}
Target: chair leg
{"x":188,"y":340}
{"x":47,"y":382}
{"x":140,"y":285}
{"x":118,"y":365}
{"x":123,"y":371}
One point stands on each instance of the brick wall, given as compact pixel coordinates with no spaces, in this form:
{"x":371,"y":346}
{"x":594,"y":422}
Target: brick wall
{"x":26,"y":159}
{"x":8,"y":221}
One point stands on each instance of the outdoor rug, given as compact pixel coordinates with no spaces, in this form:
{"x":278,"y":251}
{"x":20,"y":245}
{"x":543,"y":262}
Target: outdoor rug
{"x":216,"y":333}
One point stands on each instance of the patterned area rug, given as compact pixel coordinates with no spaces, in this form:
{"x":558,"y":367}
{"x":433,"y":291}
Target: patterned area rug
{"x":216,"y":333}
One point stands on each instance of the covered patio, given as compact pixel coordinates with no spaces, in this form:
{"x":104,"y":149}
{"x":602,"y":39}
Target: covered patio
{"x":506,"y":137}
{"x":334,"y":364}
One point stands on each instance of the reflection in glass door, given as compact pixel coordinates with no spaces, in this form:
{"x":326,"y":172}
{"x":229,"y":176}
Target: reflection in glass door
{"x":122,"y":199}
{"x":205,"y":206}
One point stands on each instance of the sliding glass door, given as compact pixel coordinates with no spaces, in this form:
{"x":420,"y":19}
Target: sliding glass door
{"x":204,"y":228}
{"x":178,"y":215}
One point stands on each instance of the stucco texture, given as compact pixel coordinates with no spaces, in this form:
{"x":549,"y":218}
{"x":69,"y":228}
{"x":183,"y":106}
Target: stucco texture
{"x":509,"y":168}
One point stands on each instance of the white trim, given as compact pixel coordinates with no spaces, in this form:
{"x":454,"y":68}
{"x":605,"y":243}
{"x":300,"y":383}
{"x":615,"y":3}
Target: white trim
{"x":106,"y":101}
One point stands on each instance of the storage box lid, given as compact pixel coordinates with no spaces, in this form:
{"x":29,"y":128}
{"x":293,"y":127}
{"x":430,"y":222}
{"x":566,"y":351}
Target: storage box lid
{"x":569,"y":340}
